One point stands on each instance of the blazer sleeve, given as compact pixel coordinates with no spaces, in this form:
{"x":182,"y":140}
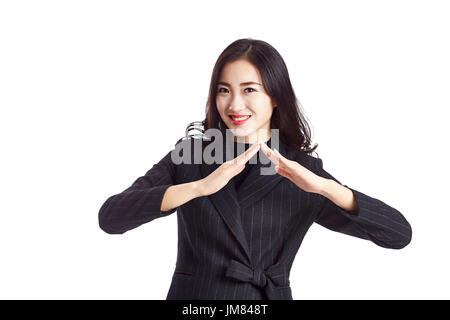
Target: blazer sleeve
{"x":141,"y":202}
{"x":373,"y":220}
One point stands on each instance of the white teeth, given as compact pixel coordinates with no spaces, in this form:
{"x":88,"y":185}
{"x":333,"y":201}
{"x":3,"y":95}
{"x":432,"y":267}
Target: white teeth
{"x":240,"y":118}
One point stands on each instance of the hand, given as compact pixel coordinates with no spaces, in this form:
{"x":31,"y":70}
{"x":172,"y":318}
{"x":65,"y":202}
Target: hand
{"x":298,"y":174}
{"x":227,"y":170}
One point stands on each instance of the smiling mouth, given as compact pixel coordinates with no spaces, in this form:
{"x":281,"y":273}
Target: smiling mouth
{"x":239,"y":118}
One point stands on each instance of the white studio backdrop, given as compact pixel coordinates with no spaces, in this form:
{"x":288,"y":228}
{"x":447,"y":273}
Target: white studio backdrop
{"x":93,"y":93}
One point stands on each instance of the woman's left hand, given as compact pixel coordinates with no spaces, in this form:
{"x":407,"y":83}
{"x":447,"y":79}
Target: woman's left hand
{"x":298,"y":174}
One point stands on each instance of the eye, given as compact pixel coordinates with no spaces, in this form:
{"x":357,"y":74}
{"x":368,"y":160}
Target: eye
{"x":220,"y":89}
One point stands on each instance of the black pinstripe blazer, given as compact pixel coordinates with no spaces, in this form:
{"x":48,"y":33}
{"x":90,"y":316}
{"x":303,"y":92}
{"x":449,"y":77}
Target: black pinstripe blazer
{"x":240,"y":244}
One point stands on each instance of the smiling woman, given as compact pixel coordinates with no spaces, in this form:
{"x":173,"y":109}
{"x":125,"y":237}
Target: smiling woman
{"x":245,"y":110}
{"x":239,"y":230}
{"x":250,"y":78}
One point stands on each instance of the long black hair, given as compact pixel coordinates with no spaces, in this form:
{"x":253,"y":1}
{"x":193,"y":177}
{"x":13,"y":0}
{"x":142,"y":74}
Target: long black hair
{"x":287,"y":117}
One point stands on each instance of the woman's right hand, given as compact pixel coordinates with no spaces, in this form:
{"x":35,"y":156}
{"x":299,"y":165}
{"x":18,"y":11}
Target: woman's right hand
{"x":227,"y":170}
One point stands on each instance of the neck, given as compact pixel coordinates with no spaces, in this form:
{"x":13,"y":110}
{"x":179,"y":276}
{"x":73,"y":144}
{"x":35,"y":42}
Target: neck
{"x":253,"y":139}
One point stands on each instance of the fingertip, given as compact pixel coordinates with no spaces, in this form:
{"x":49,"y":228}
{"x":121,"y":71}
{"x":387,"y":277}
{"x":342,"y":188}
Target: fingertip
{"x":278,"y":154}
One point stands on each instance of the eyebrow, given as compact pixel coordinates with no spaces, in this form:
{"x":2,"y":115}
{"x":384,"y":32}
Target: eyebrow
{"x":242,"y":84}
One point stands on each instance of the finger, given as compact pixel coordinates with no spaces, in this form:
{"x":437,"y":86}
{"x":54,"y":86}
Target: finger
{"x":269,"y":153}
{"x":283,"y":162}
{"x":283,"y":172}
{"x":250,"y":152}
{"x":278,"y":154}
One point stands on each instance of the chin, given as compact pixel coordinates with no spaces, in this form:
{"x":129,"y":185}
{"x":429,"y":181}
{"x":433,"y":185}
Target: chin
{"x":240,"y":132}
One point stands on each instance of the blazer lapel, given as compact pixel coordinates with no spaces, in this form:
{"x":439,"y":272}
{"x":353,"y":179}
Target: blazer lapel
{"x":226,"y":202}
{"x":262,"y":178}
{"x":229,"y":202}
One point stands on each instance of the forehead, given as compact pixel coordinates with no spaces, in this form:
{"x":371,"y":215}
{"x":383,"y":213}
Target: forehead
{"x":240,"y":71}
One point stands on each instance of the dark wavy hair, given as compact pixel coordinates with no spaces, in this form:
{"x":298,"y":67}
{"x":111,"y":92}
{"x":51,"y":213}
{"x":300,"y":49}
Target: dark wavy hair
{"x":287,"y":117}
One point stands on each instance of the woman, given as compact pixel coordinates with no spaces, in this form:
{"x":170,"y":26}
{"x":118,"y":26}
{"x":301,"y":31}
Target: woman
{"x":238,"y":229}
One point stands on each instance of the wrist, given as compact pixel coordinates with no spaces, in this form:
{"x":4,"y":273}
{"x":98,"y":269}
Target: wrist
{"x":197,"y":188}
{"x":324,"y":187}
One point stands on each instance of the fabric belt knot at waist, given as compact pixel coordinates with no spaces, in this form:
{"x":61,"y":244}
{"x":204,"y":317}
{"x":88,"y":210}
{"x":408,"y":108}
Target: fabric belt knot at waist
{"x":274,"y":280}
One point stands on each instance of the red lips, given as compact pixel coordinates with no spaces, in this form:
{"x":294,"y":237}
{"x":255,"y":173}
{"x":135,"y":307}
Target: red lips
{"x":239,"y":121}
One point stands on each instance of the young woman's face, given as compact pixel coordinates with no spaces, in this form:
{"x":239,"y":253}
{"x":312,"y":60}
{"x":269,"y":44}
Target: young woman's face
{"x":237,"y":96}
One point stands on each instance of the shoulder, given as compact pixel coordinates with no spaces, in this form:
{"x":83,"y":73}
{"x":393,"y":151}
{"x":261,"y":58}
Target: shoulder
{"x":305,"y":159}
{"x":187,"y":149}
{"x":191,"y":142}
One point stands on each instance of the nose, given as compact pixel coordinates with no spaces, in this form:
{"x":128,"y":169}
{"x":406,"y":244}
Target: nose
{"x":236,"y":104}
{"x":236,"y":109}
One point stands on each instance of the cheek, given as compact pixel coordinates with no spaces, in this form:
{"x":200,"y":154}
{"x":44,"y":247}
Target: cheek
{"x":220,"y":104}
{"x":263,"y":109}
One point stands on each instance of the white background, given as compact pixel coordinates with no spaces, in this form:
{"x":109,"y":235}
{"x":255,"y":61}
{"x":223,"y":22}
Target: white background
{"x":93,"y":93}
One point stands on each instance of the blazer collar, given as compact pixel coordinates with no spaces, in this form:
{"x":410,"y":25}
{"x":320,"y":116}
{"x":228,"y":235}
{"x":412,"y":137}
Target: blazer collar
{"x":229,"y":201}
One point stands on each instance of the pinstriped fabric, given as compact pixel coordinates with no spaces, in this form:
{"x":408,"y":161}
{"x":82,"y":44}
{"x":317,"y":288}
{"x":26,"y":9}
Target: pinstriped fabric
{"x":280,"y":209}
{"x":202,"y":264}
{"x":251,"y":225}
{"x":235,"y":283}
{"x":271,"y":228}
{"x":210,"y":283}
{"x":260,"y":235}
{"x":240,"y":244}
{"x":374,"y":220}
{"x":227,"y":281}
